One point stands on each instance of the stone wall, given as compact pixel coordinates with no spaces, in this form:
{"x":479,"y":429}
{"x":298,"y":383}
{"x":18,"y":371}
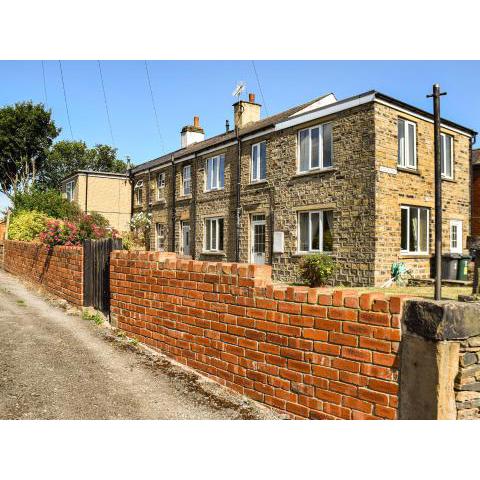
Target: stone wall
{"x":467,"y":381}
{"x":314,"y":353}
{"x":60,"y":270}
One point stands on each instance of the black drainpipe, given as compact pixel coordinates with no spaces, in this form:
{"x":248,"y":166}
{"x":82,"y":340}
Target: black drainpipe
{"x":130,"y":181}
{"x":193,"y":209}
{"x":237,"y":200}
{"x":174,"y":213}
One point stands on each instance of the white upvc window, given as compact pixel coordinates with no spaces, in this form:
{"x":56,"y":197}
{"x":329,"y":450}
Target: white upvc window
{"x":259,"y":161}
{"x":187,"y":179}
{"x":315,"y":148}
{"x":138,"y":192}
{"x":160,"y":185}
{"x":69,"y":189}
{"x":160,"y":234}
{"x":315,"y":231}
{"x":214,"y":173}
{"x":407,"y":144}
{"x":214,"y":234}
{"x":456,"y":236}
{"x":446,"y":142}
{"x":415,"y":230}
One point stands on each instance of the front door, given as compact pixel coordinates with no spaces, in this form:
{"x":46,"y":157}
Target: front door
{"x":258,"y":240}
{"x":185,"y":238}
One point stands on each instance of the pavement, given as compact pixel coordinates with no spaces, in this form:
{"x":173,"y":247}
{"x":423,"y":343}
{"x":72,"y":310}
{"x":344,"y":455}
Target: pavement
{"x":54,"y":364}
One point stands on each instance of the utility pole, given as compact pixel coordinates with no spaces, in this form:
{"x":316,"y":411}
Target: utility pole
{"x":438,"y":190}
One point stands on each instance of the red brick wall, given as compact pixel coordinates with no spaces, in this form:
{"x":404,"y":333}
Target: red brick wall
{"x":314,"y":353}
{"x":60,"y":272}
{"x":476,"y":201}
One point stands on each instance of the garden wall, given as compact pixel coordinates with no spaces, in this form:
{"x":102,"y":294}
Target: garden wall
{"x":60,"y":271}
{"x":314,"y":353}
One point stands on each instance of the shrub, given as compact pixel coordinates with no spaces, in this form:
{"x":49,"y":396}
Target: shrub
{"x":99,"y":220}
{"x":27,"y":226}
{"x":49,"y":202}
{"x":57,"y":232}
{"x":131,"y":242}
{"x":316,"y":269}
{"x":88,"y":228}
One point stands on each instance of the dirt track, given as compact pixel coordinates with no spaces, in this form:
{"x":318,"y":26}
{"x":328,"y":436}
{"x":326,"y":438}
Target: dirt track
{"x":59,"y":366}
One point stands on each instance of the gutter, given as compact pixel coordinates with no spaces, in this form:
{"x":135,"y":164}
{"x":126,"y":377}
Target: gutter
{"x":238,"y":210}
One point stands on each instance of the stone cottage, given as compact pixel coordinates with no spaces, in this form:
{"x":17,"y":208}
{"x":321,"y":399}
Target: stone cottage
{"x":353,"y":178}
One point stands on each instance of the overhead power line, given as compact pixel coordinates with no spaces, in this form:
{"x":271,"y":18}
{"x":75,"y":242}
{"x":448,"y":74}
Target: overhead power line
{"x":65,"y":97}
{"x":260,"y":88}
{"x":106,"y":103}
{"x":44,"y":83}
{"x":153,"y":105}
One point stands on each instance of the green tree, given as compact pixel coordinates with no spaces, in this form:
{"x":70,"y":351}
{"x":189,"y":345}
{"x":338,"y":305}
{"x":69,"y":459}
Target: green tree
{"x":27,"y":132}
{"x":66,"y":157}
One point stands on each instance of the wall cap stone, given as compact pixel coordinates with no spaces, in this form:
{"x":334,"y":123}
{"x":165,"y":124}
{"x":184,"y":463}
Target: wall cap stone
{"x":442,"y":320}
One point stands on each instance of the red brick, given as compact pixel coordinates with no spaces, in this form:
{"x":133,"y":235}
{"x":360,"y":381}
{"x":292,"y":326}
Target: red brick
{"x":328,"y":396}
{"x":385,"y":412}
{"x":357,"y":404}
{"x":385,"y":359}
{"x":375,"y":318}
{"x":342,"y":339}
{"x":342,"y":314}
{"x":366,"y":299}
{"x":374,"y":344}
{"x":357,"y":354}
{"x":371,"y":396}
{"x":325,"y":372}
{"x":289,"y":308}
{"x":382,"y":386}
{"x":314,"y":310}
{"x":315,"y":334}
{"x":343,"y":364}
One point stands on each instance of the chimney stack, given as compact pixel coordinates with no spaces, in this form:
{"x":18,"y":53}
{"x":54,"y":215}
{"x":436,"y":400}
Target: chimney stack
{"x":246,"y":112}
{"x":192,"y":133}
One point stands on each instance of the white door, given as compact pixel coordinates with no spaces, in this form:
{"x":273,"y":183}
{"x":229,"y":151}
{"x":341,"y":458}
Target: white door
{"x":456,"y":236}
{"x":186,"y":238}
{"x":258,"y":239}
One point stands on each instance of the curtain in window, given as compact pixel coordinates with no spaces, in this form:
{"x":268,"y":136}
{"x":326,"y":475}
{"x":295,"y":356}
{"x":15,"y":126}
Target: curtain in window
{"x":220,"y":233}
{"x":263,"y":160}
{"x":221,"y":173}
{"x":401,"y":143}
{"x":413,"y":230}
{"x":411,"y":145}
{"x":327,"y":145}
{"x":255,"y":162}
{"x":327,"y":231}
{"x":315,"y":142}
{"x":304,"y":236}
{"x":404,"y":227}
{"x":209,"y":173}
{"x":304,"y":150}
{"x":423,"y":230}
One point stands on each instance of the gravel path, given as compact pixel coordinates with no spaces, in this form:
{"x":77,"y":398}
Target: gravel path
{"x":59,"y":366}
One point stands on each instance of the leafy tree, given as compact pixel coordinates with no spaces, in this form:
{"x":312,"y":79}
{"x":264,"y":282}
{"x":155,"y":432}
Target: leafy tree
{"x":27,"y":226}
{"x":49,"y":202}
{"x":67,"y":157}
{"x":27,"y":132}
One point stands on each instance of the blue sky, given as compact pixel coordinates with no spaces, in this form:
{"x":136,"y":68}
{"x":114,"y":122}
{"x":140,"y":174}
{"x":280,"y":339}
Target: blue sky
{"x":183,"y":89}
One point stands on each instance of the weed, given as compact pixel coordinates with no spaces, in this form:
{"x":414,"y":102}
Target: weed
{"x":93,"y":317}
{"x":21,"y":303}
{"x":133,"y":341}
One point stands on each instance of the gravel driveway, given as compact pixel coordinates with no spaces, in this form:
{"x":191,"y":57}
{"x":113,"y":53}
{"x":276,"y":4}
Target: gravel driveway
{"x":59,"y":366}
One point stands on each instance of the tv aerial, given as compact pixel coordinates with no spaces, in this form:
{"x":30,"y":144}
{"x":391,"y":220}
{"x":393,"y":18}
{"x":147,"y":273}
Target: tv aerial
{"x":239,"y":89}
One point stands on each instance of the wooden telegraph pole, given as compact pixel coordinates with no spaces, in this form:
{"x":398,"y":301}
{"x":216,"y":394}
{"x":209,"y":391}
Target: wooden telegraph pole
{"x":438,"y":190}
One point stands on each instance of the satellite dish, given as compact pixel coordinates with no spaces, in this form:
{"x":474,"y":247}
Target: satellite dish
{"x":239,"y":89}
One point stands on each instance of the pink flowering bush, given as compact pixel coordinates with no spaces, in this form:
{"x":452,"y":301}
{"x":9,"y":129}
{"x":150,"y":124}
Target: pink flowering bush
{"x":58,"y":232}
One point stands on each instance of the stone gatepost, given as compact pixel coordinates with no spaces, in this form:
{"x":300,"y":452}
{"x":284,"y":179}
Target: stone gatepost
{"x":440,"y":360}
{"x":473,"y":244}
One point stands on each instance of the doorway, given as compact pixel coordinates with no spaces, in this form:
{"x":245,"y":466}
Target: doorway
{"x":257,"y":254}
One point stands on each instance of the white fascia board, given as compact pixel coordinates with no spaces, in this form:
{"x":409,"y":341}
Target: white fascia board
{"x":422,"y":117}
{"x":258,"y":134}
{"x":337,"y":107}
{"x":201,"y":153}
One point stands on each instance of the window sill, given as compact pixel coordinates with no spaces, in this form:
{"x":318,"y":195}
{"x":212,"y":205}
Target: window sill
{"x":319,"y":171}
{"x":413,"y":171}
{"x":185,"y":197}
{"x":414,"y":255}
{"x":447,"y":179}
{"x":253,"y":183}
{"x":302,"y":254}
{"x":214,"y":190}
{"x":208,"y":252}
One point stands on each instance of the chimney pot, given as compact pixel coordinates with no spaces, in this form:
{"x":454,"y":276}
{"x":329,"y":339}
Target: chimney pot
{"x":251,"y":97}
{"x":196,"y":121}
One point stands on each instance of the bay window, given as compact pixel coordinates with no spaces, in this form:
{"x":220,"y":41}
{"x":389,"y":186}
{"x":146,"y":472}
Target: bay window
{"x":315,"y":231}
{"x":315,"y":149}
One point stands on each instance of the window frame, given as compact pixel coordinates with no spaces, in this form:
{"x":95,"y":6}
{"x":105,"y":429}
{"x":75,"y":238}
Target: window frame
{"x":138,"y":188}
{"x":69,"y":192}
{"x":406,"y":151}
{"x":255,"y":176}
{"x":209,"y":221}
{"x":321,"y":213}
{"x":443,"y":139}
{"x":187,"y":180}
{"x":218,"y":159}
{"x":408,"y":251}
{"x":459,"y":225}
{"x":321,"y":160}
{"x":161,"y":186}
{"x":157,"y":236}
